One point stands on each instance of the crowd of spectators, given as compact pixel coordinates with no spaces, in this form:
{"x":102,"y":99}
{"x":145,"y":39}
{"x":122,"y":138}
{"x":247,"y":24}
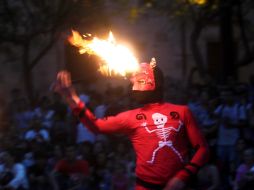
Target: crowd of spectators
{"x":45,"y":147}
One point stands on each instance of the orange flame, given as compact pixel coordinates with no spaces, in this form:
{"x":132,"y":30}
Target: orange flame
{"x":117,"y":58}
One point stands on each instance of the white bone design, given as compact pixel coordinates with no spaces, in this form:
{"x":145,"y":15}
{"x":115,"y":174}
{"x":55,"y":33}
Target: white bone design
{"x":163,"y":133}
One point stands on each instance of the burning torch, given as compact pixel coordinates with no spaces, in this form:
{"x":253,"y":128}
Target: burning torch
{"x":116,"y":58}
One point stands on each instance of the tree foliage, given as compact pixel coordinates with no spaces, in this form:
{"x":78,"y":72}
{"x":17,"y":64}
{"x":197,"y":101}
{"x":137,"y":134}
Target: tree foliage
{"x":233,"y":18}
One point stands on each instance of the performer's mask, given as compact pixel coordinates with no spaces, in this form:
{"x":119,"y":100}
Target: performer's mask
{"x":143,"y":79}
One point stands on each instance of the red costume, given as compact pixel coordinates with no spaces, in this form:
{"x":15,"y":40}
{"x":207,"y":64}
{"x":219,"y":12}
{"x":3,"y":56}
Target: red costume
{"x":160,"y":134}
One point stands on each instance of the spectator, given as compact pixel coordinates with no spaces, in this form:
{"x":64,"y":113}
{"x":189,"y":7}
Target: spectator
{"x":120,"y":179}
{"x":208,"y":177}
{"x":28,"y":160}
{"x":58,"y":106}
{"x":240,"y":147}
{"x":86,"y":152}
{"x":244,"y":179}
{"x":228,"y":133}
{"x":38,"y":173}
{"x":22,"y":116}
{"x":101,"y":176}
{"x":44,"y":112}
{"x":70,"y":172}
{"x":13,"y":174}
{"x":98,"y":147}
{"x":60,"y":130}
{"x":121,"y":151}
{"x":209,"y":123}
{"x":244,"y":109}
{"x":37,"y":133}
{"x":55,"y":156}
{"x":84,"y":134}
{"x":194,"y":101}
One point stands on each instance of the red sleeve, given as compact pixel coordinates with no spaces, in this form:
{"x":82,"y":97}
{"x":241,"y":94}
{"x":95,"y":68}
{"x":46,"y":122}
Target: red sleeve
{"x":198,"y":142}
{"x":113,"y":124}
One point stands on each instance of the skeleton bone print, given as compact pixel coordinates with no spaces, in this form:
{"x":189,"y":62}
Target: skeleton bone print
{"x":163,"y":133}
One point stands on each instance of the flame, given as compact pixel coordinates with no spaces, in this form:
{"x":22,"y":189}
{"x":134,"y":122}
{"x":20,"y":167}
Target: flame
{"x":117,"y":58}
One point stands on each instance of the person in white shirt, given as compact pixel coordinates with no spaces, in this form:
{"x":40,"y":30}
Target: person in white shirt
{"x":37,"y":133}
{"x":228,"y":133}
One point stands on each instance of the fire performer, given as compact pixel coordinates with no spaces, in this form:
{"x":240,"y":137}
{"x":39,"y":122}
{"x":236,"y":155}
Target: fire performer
{"x":161,"y":133}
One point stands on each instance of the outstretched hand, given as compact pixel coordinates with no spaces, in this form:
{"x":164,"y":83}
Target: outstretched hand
{"x":63,"y":83}
{"x":63,"y":86}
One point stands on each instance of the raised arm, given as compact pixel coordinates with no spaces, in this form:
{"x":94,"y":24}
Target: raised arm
{"x":63,"y":86}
